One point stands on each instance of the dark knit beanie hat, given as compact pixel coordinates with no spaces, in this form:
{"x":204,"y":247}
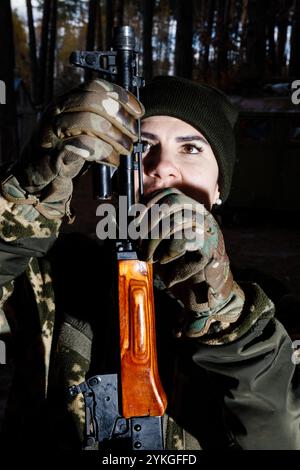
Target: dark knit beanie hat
{"x":203,"y":107}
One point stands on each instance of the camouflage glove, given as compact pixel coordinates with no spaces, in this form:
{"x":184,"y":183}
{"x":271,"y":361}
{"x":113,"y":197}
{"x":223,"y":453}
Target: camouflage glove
{"x":94,"y":122}
{"x":192,"y":262}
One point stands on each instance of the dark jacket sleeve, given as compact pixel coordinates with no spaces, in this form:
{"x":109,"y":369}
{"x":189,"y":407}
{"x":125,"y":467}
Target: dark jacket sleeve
{"x":14,"y":257}
{"x":262,"y":383}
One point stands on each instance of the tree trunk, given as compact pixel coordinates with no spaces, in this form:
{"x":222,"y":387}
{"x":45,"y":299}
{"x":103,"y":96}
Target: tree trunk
{"x":283,"y":19}
{"x":119,"y":12}
{"x":43,"y":57}
{"x":99,"y":38}
{"x":184,"y":39}
{"x":199,"y":17}
{"x":208,"y":31}
{"x":294,"y":70}
{"x":91,"y":32}
{"x":8,"y":124}
{"x":147,"y":12}
{"x":92,"y":25}
{"x":256,"y":39}
{"x":236,"y":13}
{"x":33,"y":56}
{"x":51,"y":52}
{"x":271,"y":18}
{"x":222,"y":37}
{"x":243,"y":35}
{"x":109,"y":23}
{"x":163,"y":47}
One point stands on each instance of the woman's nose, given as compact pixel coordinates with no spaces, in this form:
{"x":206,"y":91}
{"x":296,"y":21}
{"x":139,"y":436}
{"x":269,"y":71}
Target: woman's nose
{"x":161,"y":166}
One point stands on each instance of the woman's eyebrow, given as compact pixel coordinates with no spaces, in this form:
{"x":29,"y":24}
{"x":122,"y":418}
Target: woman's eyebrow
{"x":186,"y":138}
{"x":189,"y":138}
{"x":148,"y":135}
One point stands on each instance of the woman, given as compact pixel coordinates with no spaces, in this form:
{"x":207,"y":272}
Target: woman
{"x":225,"y":362}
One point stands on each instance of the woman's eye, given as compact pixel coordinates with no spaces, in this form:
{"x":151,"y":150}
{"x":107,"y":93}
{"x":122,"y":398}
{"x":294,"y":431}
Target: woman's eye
{"x":192,"y":149}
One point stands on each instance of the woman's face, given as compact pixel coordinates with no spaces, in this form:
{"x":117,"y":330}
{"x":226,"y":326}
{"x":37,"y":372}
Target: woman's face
{"x":179,"y":156}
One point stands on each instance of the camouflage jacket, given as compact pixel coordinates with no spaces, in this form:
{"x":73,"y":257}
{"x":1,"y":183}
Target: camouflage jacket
{"x":56,"y":321}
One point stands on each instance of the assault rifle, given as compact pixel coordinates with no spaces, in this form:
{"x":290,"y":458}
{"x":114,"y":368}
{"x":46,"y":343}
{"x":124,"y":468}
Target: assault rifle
{"x":125,"y":413}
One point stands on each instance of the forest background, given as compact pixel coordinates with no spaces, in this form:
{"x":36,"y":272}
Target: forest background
{"x":238,"y":45}
{"x":241,"y":46}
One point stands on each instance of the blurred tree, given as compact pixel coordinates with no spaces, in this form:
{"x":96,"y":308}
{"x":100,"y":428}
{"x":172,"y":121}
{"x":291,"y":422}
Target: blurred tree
{"x":243,"y":32}
{"x":147,"y":18}
{"x":283,"y":21}
{"x":198,"y":39}
{"x":8,"y":141}
{"x":206,"y":36}
{"x":109,"y":23}
{"x":294,"y":69}
{"x":92,"y":25}
{"x":68,"y":76}
{"x":163,"y":37}
{"x":68,"y":10}
{"x":271,"y":45}
{"x":236,"y":16}
{"x":184,"y":38}
{"x":72,"y":24}
{"x":91,"y":31}
{"x":51,"y":52}
{"x":56,"y":15}
{"x":33,"y":54}
{"x":119,"y":12}
{"x":222,"y":41}
{"x":43,"y":55}
{"x":22,"y":59}
{"x":99,"y":33}
{"x":222,"y":38}
{"x":256,"y":40}
{"x":132,"y":17}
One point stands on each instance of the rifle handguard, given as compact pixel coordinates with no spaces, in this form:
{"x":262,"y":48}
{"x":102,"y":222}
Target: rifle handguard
{"x":142,"y":392}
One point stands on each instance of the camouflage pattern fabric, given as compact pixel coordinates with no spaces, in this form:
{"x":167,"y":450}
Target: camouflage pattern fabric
{"x":257,"y":305}
{"x":39,"y":275}
{"x":5,"y":293}
{"x":196,"y":270}
{"x":21,"y":228}
{"x":71,"y":364}
{"x":176,"y":437}
{"x":169,"y":225}
{"x":19,"y":221}
{"x":95,"y":122}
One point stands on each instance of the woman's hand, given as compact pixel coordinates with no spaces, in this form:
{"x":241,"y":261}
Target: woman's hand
{"x":95,"y":122}
{"x":191,"y":260}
